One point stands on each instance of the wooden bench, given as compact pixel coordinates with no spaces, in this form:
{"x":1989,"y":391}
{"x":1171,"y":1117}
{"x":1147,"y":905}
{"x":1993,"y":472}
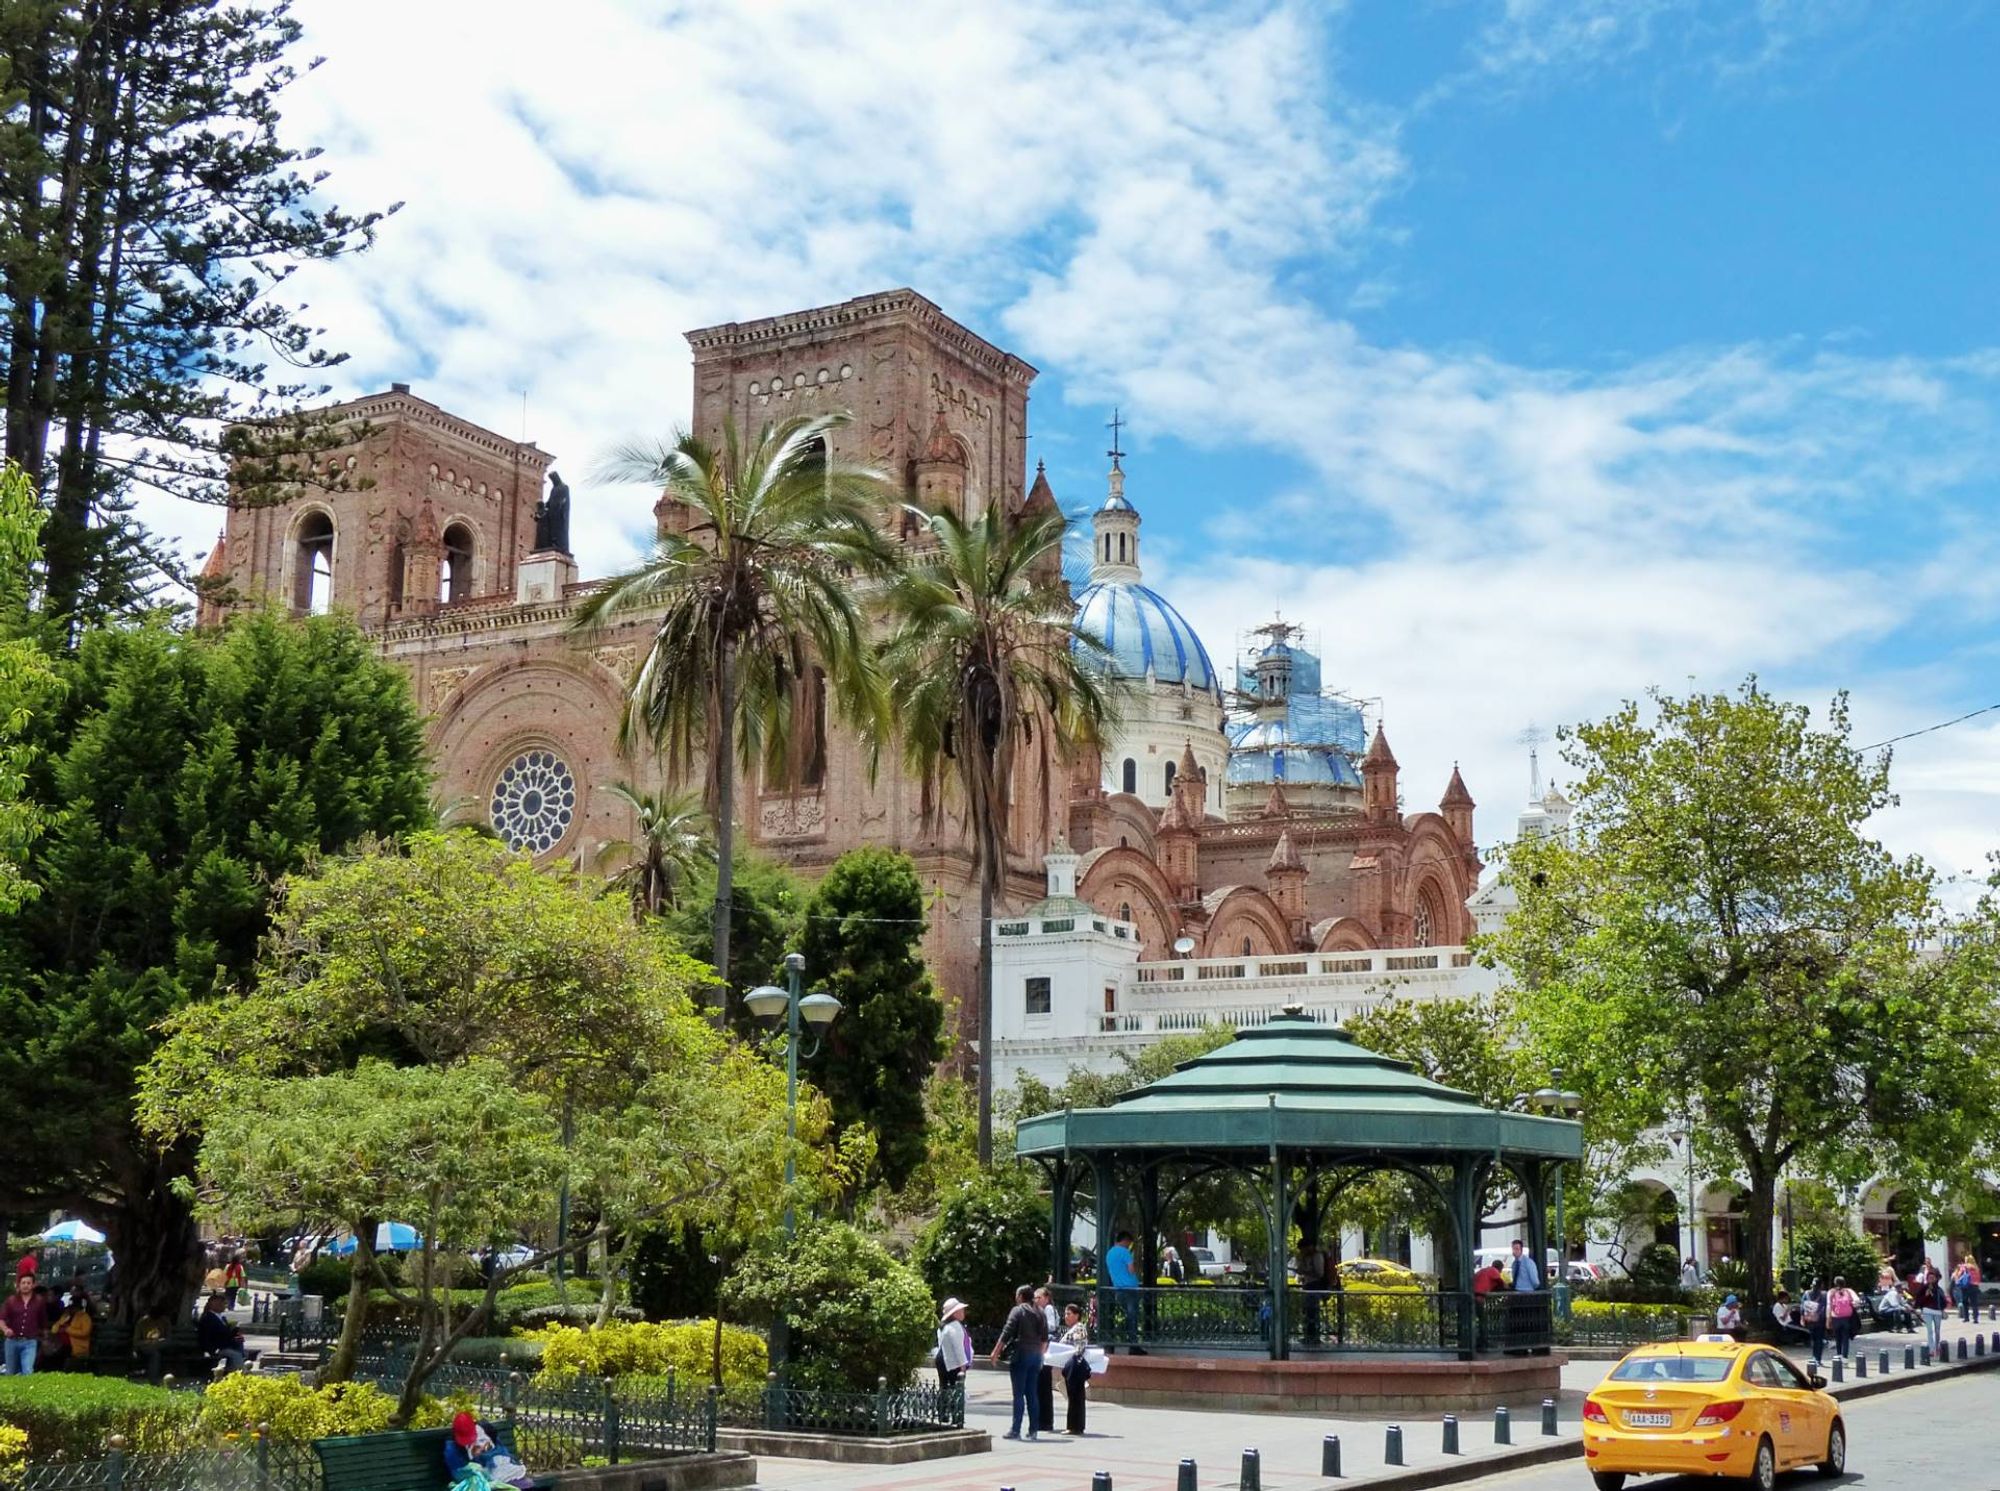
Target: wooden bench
{"x":407,"y":1460}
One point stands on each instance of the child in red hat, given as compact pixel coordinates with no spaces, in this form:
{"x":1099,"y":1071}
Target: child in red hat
{"x":475,"y":1462}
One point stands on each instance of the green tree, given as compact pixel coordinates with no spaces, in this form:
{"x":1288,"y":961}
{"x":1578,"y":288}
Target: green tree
{"x":183,"y":775}
{"x":29,"y":683}
{"x":863,"y":943}
{"x":986,"y":661}
{"x":990,"y":1237}
{"x":1718,"y":937}
{"x":452,"y":953}
{"x":856,"y":1313}
{"x":767,"y":901}
{"x":744,"y":606}
{"x":149,"y":218}
{"x":672,"y":843}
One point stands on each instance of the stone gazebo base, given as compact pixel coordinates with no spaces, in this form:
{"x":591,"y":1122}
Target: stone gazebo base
{"x":1365,"y":1386}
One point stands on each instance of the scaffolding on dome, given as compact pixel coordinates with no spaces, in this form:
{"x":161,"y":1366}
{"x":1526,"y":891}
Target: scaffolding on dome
{"x":1320,"y":733}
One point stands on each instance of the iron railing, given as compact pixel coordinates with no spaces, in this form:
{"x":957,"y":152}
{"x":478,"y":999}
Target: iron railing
{"x":1315,"y":1321}
{"x":921,"y":1406}
{"x":253,"y":1465}
{"x":1621,"y":1328}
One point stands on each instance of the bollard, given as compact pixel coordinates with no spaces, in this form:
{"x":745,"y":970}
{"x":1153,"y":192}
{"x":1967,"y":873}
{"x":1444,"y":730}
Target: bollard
{"x":1924,"y":1355}
{"x":1548,"y":1415}
{"x":1249,"y":1480}
{"x":1450,"y":1434}
{"x":1392,"y":1445}
{"x":1979,"y":1345}
{"x":1860,"y":1365}
{"x":1839,"y":1369}
{"x":1329,"y":1457}
{"x":1101,"y":1481}
{"x":1503,"y":1428}
{"x":1185,"y":1480}
{"x":1910,"y":1358}
{"x":1882,"y":1363}
{"x":1961,"y":1348}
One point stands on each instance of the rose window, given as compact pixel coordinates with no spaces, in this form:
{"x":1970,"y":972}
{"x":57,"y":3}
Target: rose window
{"x":534,"y":801}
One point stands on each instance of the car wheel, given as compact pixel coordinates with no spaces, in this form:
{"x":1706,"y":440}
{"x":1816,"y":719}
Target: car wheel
{"x":1764,"y":1474}
{"x":1608,"y":1480}
{"x":1836,"y":1450}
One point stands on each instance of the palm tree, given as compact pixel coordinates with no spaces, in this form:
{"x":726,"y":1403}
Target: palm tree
{"x":672,"y":839}
{"x":985,"y":648}
{"x":758,"y":590}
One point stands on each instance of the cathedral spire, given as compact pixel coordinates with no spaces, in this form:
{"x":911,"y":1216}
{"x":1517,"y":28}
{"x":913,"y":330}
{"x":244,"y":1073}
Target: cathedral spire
{"x":1114,"y":551}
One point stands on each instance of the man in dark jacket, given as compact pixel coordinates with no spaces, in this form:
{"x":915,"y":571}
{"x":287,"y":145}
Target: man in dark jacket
{"x":1027,"y":1331}
{"x":219,"y":1337}
{"x":24,"y":1319}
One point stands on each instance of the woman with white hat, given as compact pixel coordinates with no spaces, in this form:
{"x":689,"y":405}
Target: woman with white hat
{"x":954,"y":1347}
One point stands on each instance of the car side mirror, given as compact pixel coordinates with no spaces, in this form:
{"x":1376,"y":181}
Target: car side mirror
{"x":1815,"y":1381}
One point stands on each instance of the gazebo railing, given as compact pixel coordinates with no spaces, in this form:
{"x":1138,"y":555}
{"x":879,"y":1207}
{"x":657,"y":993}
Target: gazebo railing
{"x":1316,"y":1321}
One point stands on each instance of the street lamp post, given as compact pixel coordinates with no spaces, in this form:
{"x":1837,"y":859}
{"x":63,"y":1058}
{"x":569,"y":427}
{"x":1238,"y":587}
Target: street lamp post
{"x":767,"y":1001}
{"x":1569,"y":1104}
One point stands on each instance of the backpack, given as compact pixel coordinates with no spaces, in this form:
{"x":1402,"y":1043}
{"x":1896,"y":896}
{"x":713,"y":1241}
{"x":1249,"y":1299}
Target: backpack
{"x":1841,"y":1303}
{"x":1809,"y":1310}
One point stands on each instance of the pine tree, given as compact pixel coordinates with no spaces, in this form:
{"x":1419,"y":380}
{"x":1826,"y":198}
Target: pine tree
{"x":183,"y":775}
{"x":149,"y":216}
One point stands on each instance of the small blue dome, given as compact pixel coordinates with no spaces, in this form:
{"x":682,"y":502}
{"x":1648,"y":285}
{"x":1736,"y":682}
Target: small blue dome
{"x":1141,"y":631}
{"x":1117,"y":503}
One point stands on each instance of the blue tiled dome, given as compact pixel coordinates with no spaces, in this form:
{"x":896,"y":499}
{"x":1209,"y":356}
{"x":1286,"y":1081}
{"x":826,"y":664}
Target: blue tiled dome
{"x":1142,"y":631}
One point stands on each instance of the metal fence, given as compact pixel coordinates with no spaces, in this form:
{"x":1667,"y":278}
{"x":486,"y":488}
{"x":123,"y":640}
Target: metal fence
{"x":919,"y":1407}
{"x":1330,"y":1321}
{"x":556,"y":1425}
{"x":257,"y":1465}
{"x":1621,"y":1328}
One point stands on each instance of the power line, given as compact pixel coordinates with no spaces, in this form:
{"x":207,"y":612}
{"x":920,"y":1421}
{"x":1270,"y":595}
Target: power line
{"x":1932,"y":729}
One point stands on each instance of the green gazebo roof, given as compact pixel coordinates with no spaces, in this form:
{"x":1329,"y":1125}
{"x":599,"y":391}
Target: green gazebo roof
{"x":1301,"y":1085}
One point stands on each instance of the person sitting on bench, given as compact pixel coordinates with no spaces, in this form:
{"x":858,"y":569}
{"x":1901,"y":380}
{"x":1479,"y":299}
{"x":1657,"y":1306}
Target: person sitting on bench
{"x":219,"y":1336}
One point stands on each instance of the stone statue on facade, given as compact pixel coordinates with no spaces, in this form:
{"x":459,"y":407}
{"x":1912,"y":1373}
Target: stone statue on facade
{"x":552,"y":518}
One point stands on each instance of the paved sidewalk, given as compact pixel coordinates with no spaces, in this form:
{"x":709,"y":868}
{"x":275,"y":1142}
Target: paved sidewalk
{"x":1142,"y":1448}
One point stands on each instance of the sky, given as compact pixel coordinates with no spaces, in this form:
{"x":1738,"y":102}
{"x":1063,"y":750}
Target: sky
{"x":1530,"y":353}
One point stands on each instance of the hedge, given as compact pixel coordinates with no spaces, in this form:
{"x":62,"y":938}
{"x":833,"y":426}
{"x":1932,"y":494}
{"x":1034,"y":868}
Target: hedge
{"x":298,"y":1414}
{"x":68,"y":1415}
{"x":511,"y":1307}
{"x":644,"y":1349}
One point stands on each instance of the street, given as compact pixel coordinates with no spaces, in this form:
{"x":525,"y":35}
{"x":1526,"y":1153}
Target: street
{"x":1933,"y":1438}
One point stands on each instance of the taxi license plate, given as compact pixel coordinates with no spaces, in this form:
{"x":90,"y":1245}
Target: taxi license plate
{"x":1649,"y":1420}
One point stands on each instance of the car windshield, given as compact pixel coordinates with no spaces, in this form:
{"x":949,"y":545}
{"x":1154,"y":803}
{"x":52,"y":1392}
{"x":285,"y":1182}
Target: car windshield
{"x":1673,"y":1369}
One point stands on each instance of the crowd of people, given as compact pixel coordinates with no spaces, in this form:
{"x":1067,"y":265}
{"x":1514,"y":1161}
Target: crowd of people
{"x":1836,"y":1310}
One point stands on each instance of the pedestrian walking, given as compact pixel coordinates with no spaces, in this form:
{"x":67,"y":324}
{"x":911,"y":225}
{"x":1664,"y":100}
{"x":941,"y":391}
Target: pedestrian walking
{"x":954,"y":1344}
{"x":1842,"y":1306}
{"x":1928,"y":1297}
{"x":1812,"y":1315}
{"x":1965,"y":1287}
{"x":234,"y":1275}
{"x":1045,"y":1384}
{"x":1690,"y":1273}
{"x":1076,"y":1371}
{"x":1027,"y":1332}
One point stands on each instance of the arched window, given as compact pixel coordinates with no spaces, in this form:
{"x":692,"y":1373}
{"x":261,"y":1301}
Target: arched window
{"x":1170,"y":778}
{"x":456,"y":582}
{"x":1125,"y":911}
{"x":312,"y":579}
{"x":1246,"y":946}
{"x":1427,"y":917}
{"x":1121,"y":548}
{"x":1129,"y":777}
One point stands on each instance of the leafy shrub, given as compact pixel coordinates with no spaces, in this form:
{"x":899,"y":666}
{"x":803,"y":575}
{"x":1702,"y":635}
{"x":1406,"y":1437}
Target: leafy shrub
{"x":13,"y":1449}
{"x":296,"y":1413}
{"x":69,"y":1415}
{"x":856,"y":1313}
{"x":511,"y":1307}
{"x":1657,"y":1266}
{"x":643,"y":1349}
{"x":1826,"y":1252}
{"x":523,"y":1352}
{"x":990,"y":1237}
{"x":1729,"y":1275}
{"x":582,"y":1316}
{"x":1592,"y":1309}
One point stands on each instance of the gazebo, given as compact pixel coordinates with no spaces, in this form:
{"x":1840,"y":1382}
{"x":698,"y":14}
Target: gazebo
{"x":1299,"y":1112}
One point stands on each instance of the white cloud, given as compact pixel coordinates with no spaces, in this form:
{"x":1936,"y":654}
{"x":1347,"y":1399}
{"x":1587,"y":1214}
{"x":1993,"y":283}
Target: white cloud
{"x":1130,"y":194}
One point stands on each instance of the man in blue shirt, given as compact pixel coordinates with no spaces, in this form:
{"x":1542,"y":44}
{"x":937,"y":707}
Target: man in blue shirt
{"x":1124,"y":1277}
{"x":1527,"y":1276}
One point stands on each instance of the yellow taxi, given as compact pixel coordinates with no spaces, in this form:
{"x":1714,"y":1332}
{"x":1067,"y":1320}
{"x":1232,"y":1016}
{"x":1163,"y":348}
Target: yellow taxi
{"x":1378,"y":1272}
{"x":1711,"y":1406}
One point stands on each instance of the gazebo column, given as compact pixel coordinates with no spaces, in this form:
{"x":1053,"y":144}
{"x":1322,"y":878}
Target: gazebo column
{"x":1149,"y":1246}
{"x":1535,"y":1178}
{"x":1107,"y":1229}
{"x":1465,"y":1178}
{"x":1062,"y":1219}
{"x":1281,"y":1216}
